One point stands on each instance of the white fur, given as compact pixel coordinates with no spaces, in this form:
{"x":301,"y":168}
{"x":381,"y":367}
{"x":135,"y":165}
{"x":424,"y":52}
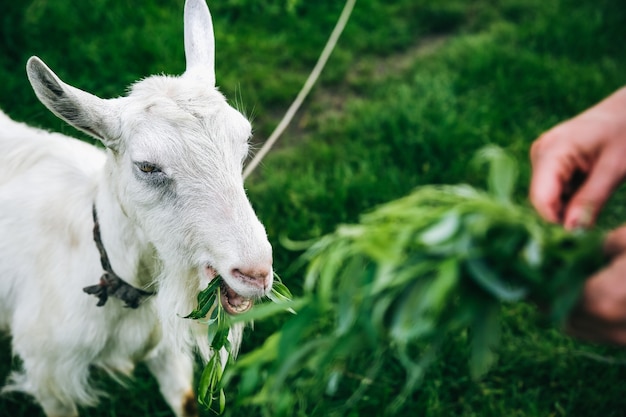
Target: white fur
{"x":168,"y":231}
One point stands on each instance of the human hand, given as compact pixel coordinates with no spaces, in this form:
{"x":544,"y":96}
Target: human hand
{"x":578,"y":163}
{"x":601,"y":313}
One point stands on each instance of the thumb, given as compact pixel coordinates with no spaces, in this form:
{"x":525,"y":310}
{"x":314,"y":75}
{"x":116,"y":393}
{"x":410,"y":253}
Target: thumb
{"x":586,"y":203}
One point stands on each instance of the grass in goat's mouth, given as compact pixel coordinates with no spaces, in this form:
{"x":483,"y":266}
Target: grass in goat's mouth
{"x":216,"y":308}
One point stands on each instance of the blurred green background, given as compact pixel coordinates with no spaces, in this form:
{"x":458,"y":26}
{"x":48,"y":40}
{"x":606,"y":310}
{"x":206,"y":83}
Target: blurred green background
{"x":412,"y":90}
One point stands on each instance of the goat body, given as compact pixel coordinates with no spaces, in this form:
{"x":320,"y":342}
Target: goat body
{"x":173,"y":214}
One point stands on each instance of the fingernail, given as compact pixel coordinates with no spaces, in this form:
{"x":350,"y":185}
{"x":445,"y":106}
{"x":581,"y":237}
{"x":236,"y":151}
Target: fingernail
{"x":580,"y":217}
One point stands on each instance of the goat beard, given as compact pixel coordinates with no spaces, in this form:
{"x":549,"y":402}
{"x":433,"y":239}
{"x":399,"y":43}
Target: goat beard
{"x":176,"y":298}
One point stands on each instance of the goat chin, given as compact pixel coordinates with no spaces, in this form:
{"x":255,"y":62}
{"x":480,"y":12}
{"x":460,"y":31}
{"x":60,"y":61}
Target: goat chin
{"x":178,"y":291}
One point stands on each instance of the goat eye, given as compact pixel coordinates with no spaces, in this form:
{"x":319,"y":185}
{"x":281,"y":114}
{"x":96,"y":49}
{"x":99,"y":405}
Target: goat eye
{"x":147,"y":167}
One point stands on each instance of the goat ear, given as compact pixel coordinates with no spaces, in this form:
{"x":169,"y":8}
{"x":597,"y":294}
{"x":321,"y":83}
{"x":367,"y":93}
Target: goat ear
{"x":199,"y":40}
{"x":80,"y":109}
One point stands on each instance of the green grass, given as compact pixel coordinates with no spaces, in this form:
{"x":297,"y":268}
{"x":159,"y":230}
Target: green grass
{"x":386,"y":117}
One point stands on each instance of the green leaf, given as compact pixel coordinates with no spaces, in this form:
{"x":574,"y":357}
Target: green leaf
{"x":502,"y":172}
{"x":441,"y":231}
{"x":532,"y":253}
{"x":280,"y":292}
{"x":264,"y":353}
{"x":204,"y":385}
{"x":333,"y":382}
{"x":485,"y":340}
{"x":410,"y":319}
{"x":492,"y":283}
{"x":250,"y":378}
{"x":222,"y":404}
{"x":214,"y":327}
{"x":445,"y":281}
{"x":206,"y":299}
{"x":417,"y":315}
{"x":221,"y":335}
{"x":264,"y":311}
{"x":210,"y":382}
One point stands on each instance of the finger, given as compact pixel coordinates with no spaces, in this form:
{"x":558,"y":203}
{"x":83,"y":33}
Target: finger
{"x":544,"y":192}
{"x":604,"y":295}
{"x":591,"y":330}
{"x":615,"y":242}
{"x":616,"y":335}
{"x":546,"y":186}
{"x":586,"y":203}
{"x":601,"y":312}
{"x":582,"y":327}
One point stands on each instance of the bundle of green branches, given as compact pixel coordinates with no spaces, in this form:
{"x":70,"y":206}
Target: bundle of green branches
{"x":437,"y":262}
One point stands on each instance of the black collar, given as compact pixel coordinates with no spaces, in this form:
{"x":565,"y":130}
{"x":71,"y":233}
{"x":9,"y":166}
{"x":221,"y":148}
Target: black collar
{"x":110,"y":283}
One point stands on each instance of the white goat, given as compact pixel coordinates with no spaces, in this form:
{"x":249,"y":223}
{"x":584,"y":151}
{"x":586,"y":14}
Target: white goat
{"x":172,"y":214}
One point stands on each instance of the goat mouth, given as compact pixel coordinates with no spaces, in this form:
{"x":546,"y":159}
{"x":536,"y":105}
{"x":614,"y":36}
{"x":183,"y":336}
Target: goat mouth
{"x":233,"y":302}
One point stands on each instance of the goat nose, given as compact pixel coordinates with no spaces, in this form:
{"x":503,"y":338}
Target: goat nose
{"x":258,"y":277}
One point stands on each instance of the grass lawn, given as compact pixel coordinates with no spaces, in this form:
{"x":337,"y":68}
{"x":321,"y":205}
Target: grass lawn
{"x":413,"y":89}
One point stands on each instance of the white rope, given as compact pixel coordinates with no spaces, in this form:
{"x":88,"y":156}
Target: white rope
{"x":308,"y":85}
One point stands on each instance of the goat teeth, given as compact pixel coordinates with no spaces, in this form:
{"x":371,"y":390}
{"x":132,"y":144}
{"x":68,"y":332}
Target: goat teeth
{"x":242,"y":307}
{"x":234,"y":303}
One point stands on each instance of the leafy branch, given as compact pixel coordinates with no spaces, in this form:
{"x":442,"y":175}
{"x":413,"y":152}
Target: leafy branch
{"x":210,"y":386}
{"x":439,"y":261}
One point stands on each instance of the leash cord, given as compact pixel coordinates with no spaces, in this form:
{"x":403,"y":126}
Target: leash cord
{"x":306,"y":89}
